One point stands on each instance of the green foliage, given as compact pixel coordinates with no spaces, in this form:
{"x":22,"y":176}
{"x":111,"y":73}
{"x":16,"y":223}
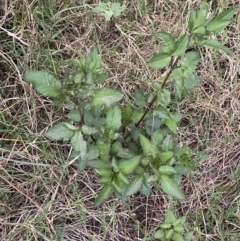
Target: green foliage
{"x":132,"y":147}
{"x":110,"y":9}
{"x":173,"y":229}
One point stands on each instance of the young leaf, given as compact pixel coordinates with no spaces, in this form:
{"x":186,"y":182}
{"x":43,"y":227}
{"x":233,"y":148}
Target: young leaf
{"x":217,"y":24}
{"x":78,"y":143}
{"x":113,"y":119}
{"x":59,"y":132}
{"x":105,"y":96}
{"x":177,"y":237}
{"x":216,"y":44}
{"x":166,"y":156}
{"x":159,"y":234}
{"x":134,"y":186}
{"x":199,"y":18}
{"x":170,"y":218}
{"x":103,"y":195}
{"x":128,"y":166}
{"x":117,"y":8}
{"x":102,"y":7}
{"x":168,"y":44}
{"x":149,"y":149}
{"x":170,"y":187}
{"x":160,"y":61}
{"x":45,"y":83}
{"x":181,"y":46}
{"x":104,"y":149}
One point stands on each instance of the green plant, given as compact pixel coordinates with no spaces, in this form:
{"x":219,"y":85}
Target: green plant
{"x":132,"y":145}
{"x":173,"y":228}
{"x":110,"y":9}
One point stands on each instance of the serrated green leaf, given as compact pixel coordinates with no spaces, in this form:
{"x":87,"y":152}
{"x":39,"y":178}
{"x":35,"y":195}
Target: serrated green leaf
{"x":168,"y":43}
{"x":78,"y":143}
{"x":227,"y":14}
{"x":157,"y":137}
{"x":190,"y":62}
{"x":128,"y":166}
{"x":45,"y":83}
{"x":113,"y":119}
{"x":74,"y":115}
{"x":170,"y":217}
{"x":181,"y":169}
{"x":103,"y":195}
{"x":87,"y":130}
{"x":181,"y":46}
{"x":167,"y":170}
{"x":102,"y":7}
{"x":149,"y":148}
{"x":170,"y":187}
{"x":217,"y":24}
{"x":134,"y":186}
{"x":179,"y":228}
{"x":177,"y":237}
{"x":172,"y":125}
{"x":191,"y":81}
{"x":59,"y":132}
{"x":216,"y":44}
{"x":168,"y":143}
{"x":160,"y":60}
{"x":163,"y":97}
{"x":106,"y":96}
{"x":159,"y":234}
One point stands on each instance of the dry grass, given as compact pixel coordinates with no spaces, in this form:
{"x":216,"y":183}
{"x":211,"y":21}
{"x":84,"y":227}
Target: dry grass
{"x":41,"y":198}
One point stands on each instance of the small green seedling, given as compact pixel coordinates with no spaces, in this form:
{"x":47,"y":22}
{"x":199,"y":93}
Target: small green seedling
{"x":173,"y":229}
{"x":132,"y":145}
{"x":110,"y":9}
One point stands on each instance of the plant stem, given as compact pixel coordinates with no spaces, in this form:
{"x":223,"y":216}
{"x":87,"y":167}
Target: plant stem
{"x":173,"y":66}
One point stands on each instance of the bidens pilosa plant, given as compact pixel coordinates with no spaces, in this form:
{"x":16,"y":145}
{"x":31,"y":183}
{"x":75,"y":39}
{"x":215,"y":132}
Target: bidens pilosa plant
{"x":131,"y":145}
{"x":173,"y":229}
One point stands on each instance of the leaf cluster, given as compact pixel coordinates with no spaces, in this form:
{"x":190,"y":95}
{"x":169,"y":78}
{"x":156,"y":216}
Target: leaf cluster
{"x":173,"y":228}
{"x":131,"y":146}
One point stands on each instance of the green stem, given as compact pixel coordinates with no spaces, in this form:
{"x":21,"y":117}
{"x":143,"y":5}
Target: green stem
{"x":173,"y":66}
